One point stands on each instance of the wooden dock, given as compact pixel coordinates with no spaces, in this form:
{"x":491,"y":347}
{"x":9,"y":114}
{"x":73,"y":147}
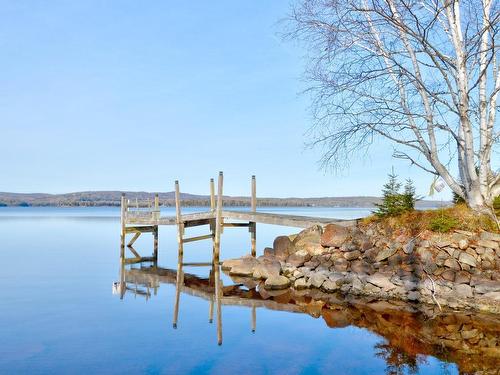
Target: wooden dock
{"x":137,"y":220}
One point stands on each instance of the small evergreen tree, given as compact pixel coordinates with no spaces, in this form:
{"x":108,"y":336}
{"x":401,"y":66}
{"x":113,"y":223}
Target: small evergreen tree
{"x":390,"y":197}
{"x":393,"y":201}
{"x":409,"y":196}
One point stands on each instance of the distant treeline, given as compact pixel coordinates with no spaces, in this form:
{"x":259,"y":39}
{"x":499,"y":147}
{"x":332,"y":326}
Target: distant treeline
{"x":113,"y":198}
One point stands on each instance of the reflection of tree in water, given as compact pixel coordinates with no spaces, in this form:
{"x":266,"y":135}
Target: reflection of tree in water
{"x":398,"y":361}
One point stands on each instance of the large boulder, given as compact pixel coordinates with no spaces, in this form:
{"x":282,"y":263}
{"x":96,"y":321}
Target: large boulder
{"x":308,"y":235}
{"x":298,"y":258}
{"x":243,"y":266}
{"x":313,"y":248}
{"x":283,"y":247}
{"x":266,"y":268}
{"x":334,"y":235}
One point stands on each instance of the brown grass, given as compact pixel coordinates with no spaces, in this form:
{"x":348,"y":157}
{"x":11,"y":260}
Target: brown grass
{"x":417,"y":221}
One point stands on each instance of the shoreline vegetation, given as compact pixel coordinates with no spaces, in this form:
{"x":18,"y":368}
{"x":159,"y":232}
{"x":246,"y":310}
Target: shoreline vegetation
{"x":112,"y":198}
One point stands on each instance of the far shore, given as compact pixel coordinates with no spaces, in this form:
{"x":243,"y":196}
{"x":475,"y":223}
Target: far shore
{"x":144,"y":199}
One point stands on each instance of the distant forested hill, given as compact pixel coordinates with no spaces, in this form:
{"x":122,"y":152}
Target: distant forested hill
{"x":112,"y":198}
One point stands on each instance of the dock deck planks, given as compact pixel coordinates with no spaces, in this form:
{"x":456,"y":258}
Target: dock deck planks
{"x":256,"y":217}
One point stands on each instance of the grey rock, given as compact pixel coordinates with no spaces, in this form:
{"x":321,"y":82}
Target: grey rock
{"x":385,"y":253}
{"x":349,"y":246}
{"x":463,"y":291}
{"x":340,"y":264}
{"x":443,"y":244}
{"x":329,"y":286}
{"x":313,"y":263}
{"x":425,"y":254}
{"x":463,"y":244}
{"x":350,"y":255}
{"x":381,"y":281}
{"x":413,"y":296}
{"x":357,"y":285}
{"x":409,"y":247}
{"x":361,"y":267}
{"x":317,"y":279}
{"x":288,"y":269}
{"x":452,"y":263}
{"x":297,"y":274}
{"x":462,"y":277}
{"x":302,"y":283}
{"x":490,"y":236}
{"x":338,"y":278}
{"x":277,"y":282}
{"x":448,"y":275}
{"x":467,"y":259}
{"x":243,"y":266}
{"x":486,"y":286}
{"x":488,"y":243}
{"x":492,"y":295}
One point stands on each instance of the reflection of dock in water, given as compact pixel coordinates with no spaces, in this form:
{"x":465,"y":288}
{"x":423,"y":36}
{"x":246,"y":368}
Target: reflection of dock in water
{"x":470,"y":340}
{"x":235,"y":295}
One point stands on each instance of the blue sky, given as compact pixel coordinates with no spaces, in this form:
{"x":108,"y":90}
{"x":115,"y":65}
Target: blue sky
{"x":128,"y":95}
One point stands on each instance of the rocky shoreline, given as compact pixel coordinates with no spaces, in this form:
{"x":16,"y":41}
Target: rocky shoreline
{"x":460,"y":270}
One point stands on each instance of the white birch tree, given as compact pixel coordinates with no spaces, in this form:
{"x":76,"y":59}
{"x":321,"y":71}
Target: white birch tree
{"x":424,"y":74}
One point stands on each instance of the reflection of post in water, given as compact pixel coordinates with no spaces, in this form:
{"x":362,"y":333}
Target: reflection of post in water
{"x":179,"y":283}
{"x":214,"y":280}
{"x":254,"y":318}
{"x":122,"y":287}
{"x":211,"y":311}
{"x":218,"y":296}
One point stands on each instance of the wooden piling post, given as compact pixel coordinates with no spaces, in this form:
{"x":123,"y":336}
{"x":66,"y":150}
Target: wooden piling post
{"x":253,"y":225}
{"x":123,"y":219}
{"x":212,"y":195}
{"x":155,"y":228}
{"x":180,"y":224}
{"x":156,"y":207}
{"x":218,"y":218}
{"x":212,"y":209}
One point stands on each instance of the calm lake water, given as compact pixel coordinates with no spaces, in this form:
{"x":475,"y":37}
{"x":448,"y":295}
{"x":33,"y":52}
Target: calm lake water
{"x":60,"y":314}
